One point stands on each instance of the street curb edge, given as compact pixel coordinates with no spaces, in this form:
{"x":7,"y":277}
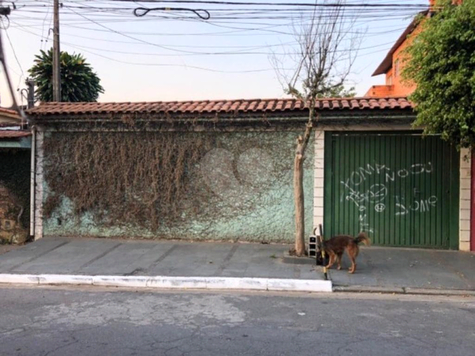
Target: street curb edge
{"x":171,"y":282}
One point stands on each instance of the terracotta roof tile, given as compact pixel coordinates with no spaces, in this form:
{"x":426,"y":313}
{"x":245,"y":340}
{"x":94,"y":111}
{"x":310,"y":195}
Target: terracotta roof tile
{"x":9,"y":113}
{"x":220,"y":106}
{"x":235,"y":105}
{"x":14,"y":134}
{"x":345,"y":104}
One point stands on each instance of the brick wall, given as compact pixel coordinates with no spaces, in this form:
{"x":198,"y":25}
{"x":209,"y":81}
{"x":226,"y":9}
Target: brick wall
{"x":465,"y":194}
{"x":39,"y":184}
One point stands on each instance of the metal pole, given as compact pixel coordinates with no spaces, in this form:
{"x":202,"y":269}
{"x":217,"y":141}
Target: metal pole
{"x":32,"y":181}
{"x":325,"y":270}
{"x":56,"y":55}
{"x":6,"y":11}
{"x":31,"y":93}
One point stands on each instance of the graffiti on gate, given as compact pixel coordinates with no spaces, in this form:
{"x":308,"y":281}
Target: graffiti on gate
{"x":376,"y":196}
{"x":361,"y":174}
{"x":421,"y":205}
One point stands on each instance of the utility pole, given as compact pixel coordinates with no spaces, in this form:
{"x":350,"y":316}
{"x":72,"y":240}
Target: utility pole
{"x":56,"y":55}
{"x":5,"y":11}
{"x":31,"y":92}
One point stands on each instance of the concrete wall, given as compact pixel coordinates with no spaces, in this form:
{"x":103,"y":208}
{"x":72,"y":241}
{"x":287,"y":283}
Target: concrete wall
{"x":399,"y":86}
{"x":248,"y":180}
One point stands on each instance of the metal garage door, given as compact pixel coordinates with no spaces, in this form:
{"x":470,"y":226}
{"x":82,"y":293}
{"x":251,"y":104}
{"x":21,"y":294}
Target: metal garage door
{"x":402,"y":189}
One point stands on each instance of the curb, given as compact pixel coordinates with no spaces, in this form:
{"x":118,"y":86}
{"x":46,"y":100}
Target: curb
{"x":431,"y":291}
{"x":165,"y":282}
{"x":368,"y":289}
{"x":403,"y":290}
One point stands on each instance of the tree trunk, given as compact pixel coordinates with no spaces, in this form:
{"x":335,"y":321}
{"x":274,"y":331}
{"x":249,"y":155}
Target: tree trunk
{"x":300,"y":249}
{"x":299,"y":206}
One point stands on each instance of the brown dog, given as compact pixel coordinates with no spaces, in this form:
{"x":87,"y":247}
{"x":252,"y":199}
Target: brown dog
{"x":338,"y":244}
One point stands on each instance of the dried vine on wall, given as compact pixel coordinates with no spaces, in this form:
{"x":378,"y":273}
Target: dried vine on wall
{"x":137,"y":178}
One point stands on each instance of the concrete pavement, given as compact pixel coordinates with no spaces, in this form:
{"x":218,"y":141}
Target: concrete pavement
{"x":200,"y":265}
{"x":159,"y":264}
{"x":404,"y":270}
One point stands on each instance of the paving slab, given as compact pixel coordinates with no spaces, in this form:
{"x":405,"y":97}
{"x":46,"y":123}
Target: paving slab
{"x":67,"y":258}
{"x":409,"y":268}
{"x":194,"y":259}
{"x":28,"y":253}
{"x":128,"y":259}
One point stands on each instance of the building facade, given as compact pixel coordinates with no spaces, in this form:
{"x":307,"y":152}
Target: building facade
{"x":230,"y":167}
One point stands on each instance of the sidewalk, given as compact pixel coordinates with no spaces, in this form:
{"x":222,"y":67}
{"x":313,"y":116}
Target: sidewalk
{"x":159,"y":264}
{"x":404,"y":270}
{"x":199,"y":265}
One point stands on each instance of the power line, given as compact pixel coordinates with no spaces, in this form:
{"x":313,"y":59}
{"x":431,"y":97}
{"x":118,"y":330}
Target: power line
{"x":130,"y":37}
{"x":164,"y":64}
{"x":88,"y":50}
{"x":251,"y":19}
{"x":43,"y":38}
{"x":4,"y":12}
{"x":248,"y":3}
{"x":16,"y":58}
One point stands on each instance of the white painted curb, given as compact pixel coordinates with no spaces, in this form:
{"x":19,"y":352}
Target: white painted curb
{"x":165,"y":282}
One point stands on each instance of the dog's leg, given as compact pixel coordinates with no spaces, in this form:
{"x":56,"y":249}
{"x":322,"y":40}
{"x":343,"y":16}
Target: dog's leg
{"x":338,"y":260}
{"x":353,"y":266}
{"x":331,"y":261}
{"x":351,"y":254}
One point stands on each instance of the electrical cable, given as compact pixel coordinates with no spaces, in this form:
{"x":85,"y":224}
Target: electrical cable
{"x":9,"y":82}
{"x":142,"y":11}
{"x":16,"y":58}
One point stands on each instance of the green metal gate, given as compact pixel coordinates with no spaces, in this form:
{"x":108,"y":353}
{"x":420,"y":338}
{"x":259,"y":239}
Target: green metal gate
{"x":403,"y":189}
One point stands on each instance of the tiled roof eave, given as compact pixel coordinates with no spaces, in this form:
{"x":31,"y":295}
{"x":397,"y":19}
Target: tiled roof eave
{"x":13,"y":134}
{"x":271,"y":116}
{"x":235,"y":109}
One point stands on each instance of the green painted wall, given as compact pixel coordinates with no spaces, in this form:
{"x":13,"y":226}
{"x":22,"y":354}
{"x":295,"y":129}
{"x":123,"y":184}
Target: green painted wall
{"x":402,"y":189}
{"x":244,"y":183}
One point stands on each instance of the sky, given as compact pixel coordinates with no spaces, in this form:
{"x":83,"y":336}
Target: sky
{"x":175,"y":55}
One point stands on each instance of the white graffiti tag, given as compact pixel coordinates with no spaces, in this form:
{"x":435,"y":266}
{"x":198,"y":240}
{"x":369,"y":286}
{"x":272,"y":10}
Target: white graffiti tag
{"x":379,"y":208}
{"x":421,"y":205}
{"x":377,"y":195}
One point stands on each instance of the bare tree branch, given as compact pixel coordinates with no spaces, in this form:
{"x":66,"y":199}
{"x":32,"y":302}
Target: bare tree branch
{"x":328,"y":46}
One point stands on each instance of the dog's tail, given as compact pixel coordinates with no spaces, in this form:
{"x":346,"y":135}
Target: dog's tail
{"x":363,"y":237}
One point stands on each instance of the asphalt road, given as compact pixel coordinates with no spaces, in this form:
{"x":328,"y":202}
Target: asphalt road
{"x":65,"y":321}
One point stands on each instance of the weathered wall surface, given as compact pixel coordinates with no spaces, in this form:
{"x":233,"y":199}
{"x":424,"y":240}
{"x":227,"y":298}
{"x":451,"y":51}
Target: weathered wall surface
{"x":14,"y":194}
{"x":240,"y":188}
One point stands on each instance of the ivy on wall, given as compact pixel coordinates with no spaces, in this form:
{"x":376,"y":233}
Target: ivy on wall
{"x":137,"y":178}
{"x":183,"y":184}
